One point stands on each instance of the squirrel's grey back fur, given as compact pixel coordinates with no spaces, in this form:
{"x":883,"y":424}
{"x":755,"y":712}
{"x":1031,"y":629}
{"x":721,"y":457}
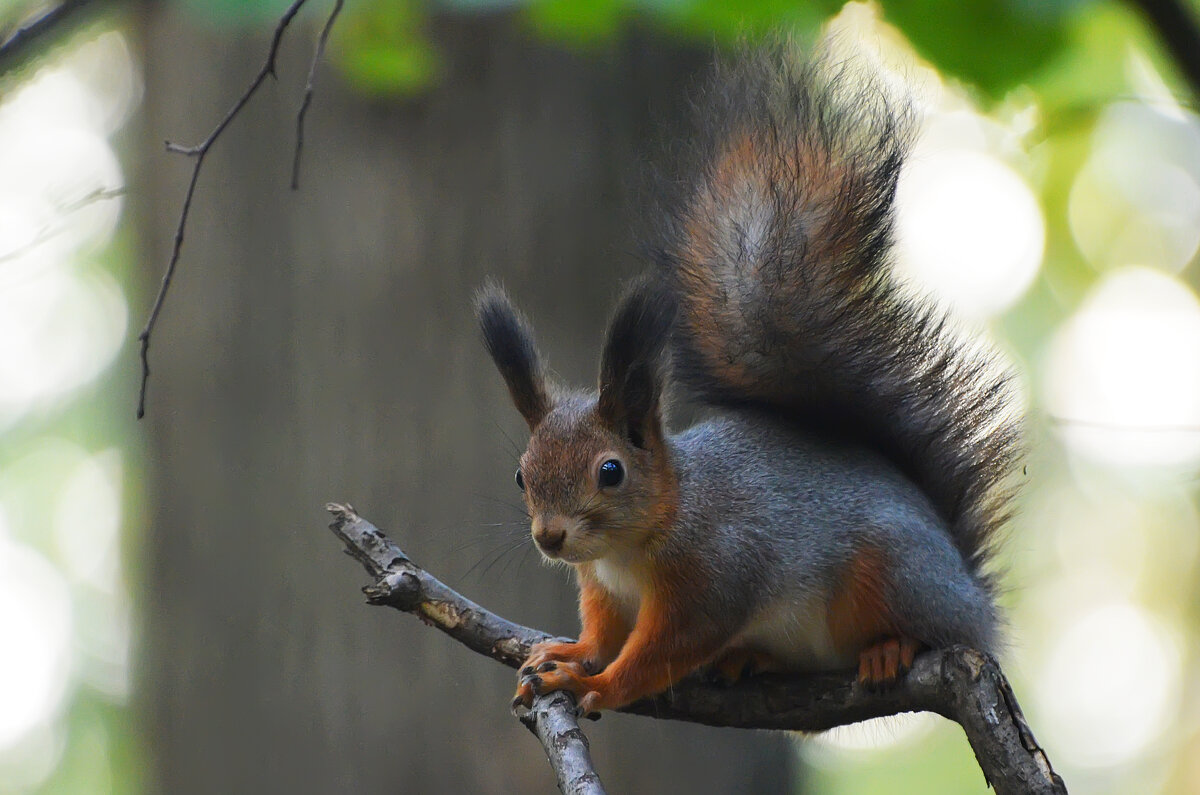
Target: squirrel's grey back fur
{"x":810,"y":504}
{"x":777,"y":249}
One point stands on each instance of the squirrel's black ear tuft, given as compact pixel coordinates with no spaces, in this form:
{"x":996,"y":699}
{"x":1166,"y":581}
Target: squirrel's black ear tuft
{"x":509,"y":340}
{"x":633,"y":366}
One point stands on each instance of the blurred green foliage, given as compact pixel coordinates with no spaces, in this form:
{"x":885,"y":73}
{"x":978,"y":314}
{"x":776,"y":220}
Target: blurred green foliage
{"x":381,"y":47}
{"x":992,"y":44}
{"x":720,"y":20}
{"x":1064,"y":48}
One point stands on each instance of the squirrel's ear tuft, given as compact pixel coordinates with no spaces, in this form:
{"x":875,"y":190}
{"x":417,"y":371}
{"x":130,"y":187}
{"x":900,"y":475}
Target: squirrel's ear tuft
{"x":509,"y":341}
{"x":633,"y":366}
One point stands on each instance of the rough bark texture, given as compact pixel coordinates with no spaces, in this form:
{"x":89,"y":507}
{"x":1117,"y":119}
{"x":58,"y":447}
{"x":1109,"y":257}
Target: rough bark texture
{"x":958,"y":683}
{"x":552,"y":720}
{"x":321,"y":342}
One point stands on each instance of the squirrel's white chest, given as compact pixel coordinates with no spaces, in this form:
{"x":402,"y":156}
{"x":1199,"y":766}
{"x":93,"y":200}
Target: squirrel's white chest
{"x":620,"y":581}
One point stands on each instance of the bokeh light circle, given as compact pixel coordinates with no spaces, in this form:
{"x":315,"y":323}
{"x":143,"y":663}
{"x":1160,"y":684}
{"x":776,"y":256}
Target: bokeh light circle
{"x":1122,"y":376}
{"x":968,"y":229}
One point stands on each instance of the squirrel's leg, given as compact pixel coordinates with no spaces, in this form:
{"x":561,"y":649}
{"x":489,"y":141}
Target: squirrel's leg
{"x":862,"y":620}
{"x":601,"y":636}
{"x":666,"y":645}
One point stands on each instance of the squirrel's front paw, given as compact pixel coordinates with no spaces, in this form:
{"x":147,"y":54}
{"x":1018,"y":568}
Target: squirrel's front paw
{"x":556,"y":651}
{"x":551,"y":675}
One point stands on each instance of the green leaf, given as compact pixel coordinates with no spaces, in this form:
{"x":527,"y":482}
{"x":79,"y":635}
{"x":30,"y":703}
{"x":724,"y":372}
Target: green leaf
{"x":1091,"y":69}
{"x":578,"y":22}
{"x":397,"y":68}
{"x":993,"y":44}
{"x":732,"y":20}
{"x":381,"y":47}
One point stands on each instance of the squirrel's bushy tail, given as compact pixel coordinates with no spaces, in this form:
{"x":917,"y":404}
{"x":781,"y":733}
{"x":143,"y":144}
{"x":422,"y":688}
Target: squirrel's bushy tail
{"x":778,"y":248}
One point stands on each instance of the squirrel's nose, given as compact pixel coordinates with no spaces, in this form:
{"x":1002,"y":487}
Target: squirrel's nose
{"x":550,"y":535}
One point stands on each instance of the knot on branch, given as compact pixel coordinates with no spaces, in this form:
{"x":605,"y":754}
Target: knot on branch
{"x":401,"y":590}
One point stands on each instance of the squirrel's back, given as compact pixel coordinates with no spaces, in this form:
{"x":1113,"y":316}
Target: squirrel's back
{"x":793,"y":511}
{"x":777,"y":249}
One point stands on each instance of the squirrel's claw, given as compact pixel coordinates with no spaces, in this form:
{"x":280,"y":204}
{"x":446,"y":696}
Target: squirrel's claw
{"x":587,"y":706}
{"x":525,"y":689}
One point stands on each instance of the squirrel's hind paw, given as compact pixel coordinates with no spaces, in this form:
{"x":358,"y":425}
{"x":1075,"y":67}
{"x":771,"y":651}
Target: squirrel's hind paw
{"x":734,"y":665}
{"x":882,"y":665}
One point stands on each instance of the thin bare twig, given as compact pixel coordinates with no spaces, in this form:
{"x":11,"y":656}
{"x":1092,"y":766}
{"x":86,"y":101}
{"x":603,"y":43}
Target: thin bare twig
{"x":201,"y":150}
{"x":308,"y":90}
{"x":958,"y":683}
{"x":50,"y":231}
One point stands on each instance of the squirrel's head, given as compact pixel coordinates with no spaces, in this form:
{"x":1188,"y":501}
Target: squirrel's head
{"x":596,"y":476}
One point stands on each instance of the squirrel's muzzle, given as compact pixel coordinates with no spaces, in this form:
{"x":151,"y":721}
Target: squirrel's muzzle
{"x":550,"y":534}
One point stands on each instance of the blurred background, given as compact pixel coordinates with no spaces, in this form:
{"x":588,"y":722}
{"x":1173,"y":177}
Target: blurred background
{"x":175,"y":617}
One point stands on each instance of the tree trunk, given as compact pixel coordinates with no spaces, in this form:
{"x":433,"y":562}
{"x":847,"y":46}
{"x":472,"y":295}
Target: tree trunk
{"x":319,"y":345}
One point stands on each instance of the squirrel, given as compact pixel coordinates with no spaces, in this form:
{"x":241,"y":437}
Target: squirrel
{"x":840,"y":505}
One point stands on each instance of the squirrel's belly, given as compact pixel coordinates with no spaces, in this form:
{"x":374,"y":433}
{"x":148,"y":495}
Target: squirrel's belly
{"x":795,"y":633}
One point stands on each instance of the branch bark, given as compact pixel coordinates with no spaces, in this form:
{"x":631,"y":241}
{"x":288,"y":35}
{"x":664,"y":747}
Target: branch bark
{"x":553,"y":721}
{"x":960,"y":684}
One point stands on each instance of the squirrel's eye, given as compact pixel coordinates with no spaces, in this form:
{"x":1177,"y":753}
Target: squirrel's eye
{"x":611,"y":473}
{"x":520,"y":481}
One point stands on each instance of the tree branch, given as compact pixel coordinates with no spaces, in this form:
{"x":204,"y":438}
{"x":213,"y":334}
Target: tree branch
{"x":200,"y":151}
{"x":552,"y":720}
{"x":308,"y":90}
{"x":26,"y":40}
{"x":958,"y":683}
